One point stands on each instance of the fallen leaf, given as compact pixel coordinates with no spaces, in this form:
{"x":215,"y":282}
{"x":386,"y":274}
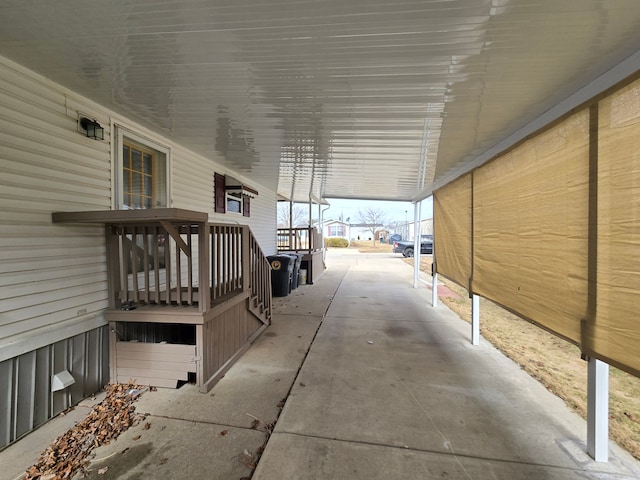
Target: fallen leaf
{"x":104,"y":422}
{"x":224,"y":432}
{"x":103,"y":470}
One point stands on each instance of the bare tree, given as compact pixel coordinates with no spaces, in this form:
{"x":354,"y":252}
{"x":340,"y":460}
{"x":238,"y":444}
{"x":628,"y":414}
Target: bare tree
{"x":373,"y":219}
{"x":300,"y":216}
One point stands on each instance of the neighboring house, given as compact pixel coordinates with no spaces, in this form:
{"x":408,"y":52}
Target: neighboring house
{"x":336,"y":229}
{"x":407,"y":230}
{"x":350,"y":231}
{"x":53,"y":276}
{"x":363,"y":231}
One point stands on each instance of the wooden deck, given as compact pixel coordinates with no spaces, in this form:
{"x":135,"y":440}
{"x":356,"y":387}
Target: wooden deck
{"x":308,"y":241}
{"x":175,"y":278}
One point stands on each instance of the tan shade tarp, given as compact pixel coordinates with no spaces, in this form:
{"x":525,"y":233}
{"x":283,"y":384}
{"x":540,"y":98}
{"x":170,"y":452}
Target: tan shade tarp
{"x":452,"y":230}
{"x":531,"y":228}
{"x":615,"y":335}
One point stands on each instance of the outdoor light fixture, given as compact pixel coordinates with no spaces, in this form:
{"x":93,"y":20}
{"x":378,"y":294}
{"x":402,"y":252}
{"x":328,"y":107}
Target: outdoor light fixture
{"x":93,"y":128}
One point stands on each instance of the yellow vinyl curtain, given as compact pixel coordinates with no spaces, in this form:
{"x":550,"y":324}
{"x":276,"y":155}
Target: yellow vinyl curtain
{"x":614,"y":334}
{"x":529,"y":231}
{"x":531,"y":228}
{"x":452,"y":230}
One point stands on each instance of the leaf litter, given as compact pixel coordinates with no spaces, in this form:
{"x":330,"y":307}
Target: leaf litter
{"x":69,"y":453}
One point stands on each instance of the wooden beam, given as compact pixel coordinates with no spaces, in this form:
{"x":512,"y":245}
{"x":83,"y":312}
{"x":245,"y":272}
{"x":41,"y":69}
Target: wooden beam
{"x":151,"y":215}
{"x":171,"y":230}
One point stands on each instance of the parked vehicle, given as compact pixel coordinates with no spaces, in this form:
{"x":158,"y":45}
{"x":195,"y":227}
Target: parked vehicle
{"x":406,"y":247}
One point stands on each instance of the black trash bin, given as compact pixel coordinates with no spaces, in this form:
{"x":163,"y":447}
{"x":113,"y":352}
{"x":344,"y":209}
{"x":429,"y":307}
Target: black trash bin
{"x":281,"y":272}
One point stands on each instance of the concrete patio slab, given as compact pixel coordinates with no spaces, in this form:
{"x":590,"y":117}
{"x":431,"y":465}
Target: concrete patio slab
{"x":392,"y":388}
{"x":309,"y":458}
{"x":170,"y":448}
{"x":255,"y":385}
{"x":378,"y":385}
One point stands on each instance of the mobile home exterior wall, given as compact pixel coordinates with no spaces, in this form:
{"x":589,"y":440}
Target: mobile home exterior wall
{"x":53,"y":282}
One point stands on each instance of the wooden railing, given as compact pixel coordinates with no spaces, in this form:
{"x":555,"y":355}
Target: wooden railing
{"x":260,"y":278}
{"x":305,"y":239}
{"x":227,"y":275}
{"x":185,"y":296}
{"x":169,"y":264}
{"x":151,"y":269}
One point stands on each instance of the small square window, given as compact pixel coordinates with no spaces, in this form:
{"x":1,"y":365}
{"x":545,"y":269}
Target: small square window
{"x":234,"y":204}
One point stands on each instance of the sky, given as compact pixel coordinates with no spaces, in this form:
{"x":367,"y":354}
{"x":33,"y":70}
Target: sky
{"x":395,"y":211}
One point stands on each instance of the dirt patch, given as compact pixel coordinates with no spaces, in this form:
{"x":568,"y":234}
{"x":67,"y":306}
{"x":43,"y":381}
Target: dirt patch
{"x":552,"y":361}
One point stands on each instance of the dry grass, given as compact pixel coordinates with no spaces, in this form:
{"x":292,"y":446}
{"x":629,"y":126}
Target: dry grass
{"x":554,"y":362}
{"x":367,"y":246}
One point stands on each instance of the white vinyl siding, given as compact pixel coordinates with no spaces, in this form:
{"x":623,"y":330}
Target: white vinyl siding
{"x":53,"y":276}
{"x":263,"y":220}
{"x":192,"y":187}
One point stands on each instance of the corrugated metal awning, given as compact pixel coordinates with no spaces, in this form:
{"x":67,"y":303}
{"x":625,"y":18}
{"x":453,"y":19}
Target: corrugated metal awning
{"x":356,"y":99}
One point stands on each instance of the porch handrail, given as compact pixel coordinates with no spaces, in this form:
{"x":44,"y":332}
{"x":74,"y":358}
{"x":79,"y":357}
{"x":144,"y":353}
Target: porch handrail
{"x":260,"y":278}
{"x":299,"y":239}
{"x":207,"y":264}
{"x":170,"y":256}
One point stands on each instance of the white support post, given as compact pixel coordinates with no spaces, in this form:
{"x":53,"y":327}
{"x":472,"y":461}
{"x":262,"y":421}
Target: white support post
{"x":434,"y":290}
{"x":475,"y":319}
{"x":598,"y":410}
{"x":417,"y":243}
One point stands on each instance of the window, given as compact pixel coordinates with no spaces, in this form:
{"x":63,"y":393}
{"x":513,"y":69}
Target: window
{"x":337,"y":231}
{"x":142,"y":177}
{"x":234,"y":203}
{"x":232,"y":196}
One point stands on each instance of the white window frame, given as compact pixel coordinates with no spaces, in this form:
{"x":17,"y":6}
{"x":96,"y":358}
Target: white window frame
{"x":240,"y":200}
{"x":335,"y":228}
{"x":117,"y":184}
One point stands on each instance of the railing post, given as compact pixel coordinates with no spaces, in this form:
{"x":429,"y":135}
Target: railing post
{"x":598,"y":410}
{"x":204,"y":266}
{"x":475,"y":319}
{"x":113,"y":265}
{"x":245,"y":259}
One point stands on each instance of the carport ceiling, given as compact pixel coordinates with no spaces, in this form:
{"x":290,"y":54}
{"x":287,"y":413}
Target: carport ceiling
{"x":338,"y":98}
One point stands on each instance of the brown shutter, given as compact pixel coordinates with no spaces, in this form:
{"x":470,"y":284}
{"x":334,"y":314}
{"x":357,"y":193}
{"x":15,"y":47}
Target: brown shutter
{"x":219,"y":193}
{"x":246,"y":206}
